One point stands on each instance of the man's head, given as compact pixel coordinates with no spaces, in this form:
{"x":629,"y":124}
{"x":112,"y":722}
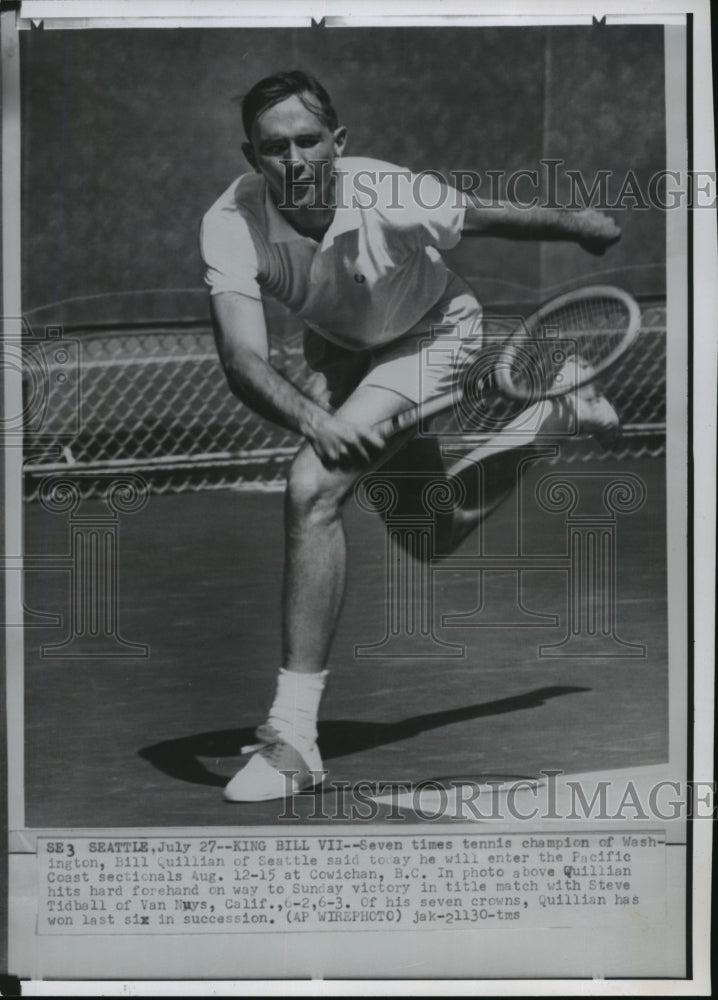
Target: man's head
{"x":292,"y":131}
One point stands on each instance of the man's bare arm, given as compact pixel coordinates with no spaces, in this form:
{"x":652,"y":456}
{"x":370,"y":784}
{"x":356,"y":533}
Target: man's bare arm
{"x":592,"y":230}
{"x":241,"y":338}
{"x":244,"y":352}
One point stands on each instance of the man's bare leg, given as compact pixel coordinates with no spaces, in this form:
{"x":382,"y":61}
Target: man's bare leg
{"x":315,"y":558}
{"x":486,"y":475}
{"x":315,"y":562}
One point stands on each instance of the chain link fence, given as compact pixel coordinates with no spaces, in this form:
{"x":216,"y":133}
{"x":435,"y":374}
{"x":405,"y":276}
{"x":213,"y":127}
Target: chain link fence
{"x":147,"y":394}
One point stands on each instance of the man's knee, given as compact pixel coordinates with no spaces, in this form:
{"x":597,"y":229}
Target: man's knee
{"x":313,"y":491}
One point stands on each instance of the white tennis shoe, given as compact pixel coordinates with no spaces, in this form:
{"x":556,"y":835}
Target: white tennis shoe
{"x":276,"y":770}
{"x":592,"y":412}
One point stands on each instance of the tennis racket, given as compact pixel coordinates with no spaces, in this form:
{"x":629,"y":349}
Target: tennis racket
{"x":595,"y":325}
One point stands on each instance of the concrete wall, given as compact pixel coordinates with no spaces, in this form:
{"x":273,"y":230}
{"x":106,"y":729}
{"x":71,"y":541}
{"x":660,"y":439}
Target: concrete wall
{"x":128,"y":136}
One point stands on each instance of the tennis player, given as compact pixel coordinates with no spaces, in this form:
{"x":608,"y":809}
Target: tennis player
{"x":352,"y":247}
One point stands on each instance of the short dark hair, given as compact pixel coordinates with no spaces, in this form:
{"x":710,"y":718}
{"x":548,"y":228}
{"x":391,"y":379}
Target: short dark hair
{"x":278,"y":87}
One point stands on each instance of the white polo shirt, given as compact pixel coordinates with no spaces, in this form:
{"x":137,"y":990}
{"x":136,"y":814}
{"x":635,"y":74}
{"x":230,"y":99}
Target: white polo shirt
{"x":374,"y":275}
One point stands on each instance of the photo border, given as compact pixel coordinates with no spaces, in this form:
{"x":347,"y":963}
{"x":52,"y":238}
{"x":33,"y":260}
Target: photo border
{"x":700,"y":424}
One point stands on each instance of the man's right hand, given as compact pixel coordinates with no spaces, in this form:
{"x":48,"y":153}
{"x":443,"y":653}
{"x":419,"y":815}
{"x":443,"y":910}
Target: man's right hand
{"x":338,"y":443}
{"x":596,"y":232}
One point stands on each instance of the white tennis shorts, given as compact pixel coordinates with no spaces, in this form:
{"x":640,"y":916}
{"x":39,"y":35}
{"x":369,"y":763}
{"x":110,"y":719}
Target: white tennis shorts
{"x":419,"y":365}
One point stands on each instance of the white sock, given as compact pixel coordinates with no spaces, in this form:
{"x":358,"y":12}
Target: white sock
{"x":296,"y":706}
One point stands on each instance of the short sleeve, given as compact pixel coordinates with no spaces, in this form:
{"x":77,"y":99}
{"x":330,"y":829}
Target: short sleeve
{"x":229,"y":253}
{"x":437,"y":210}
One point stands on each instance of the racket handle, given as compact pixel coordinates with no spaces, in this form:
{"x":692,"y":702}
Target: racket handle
{"x":399,"y":422}
{"x":414,"y":414}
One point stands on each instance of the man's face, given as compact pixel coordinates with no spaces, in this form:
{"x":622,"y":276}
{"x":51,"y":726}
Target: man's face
{"x":290,"y":141}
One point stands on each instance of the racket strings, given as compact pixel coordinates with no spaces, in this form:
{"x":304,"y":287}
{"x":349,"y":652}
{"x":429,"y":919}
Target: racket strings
{"x":592,"y":329}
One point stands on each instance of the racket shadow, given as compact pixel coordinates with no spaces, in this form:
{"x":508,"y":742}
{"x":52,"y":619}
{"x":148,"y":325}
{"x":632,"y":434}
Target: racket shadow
{"x":183,"y":759}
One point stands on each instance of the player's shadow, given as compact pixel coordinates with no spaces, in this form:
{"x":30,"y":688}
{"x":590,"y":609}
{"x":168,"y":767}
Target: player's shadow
{"x":183,"y":758}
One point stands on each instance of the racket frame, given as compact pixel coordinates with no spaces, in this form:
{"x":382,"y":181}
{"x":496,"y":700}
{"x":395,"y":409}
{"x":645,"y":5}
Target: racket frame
{"x":584,"y":374}
{"x":419,"y":412}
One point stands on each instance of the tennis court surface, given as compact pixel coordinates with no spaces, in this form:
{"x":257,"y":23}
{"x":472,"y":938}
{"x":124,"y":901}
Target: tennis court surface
{"x":150,"y":740}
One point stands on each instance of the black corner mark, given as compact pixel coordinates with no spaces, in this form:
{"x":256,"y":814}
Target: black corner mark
{"x":319,"y":24}
{"x":10,"y":985}
{"x":599,"y":22}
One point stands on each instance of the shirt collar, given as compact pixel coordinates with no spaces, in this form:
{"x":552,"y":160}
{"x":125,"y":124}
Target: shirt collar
{"x":346,"y":218}
{"x":278,"y":229}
